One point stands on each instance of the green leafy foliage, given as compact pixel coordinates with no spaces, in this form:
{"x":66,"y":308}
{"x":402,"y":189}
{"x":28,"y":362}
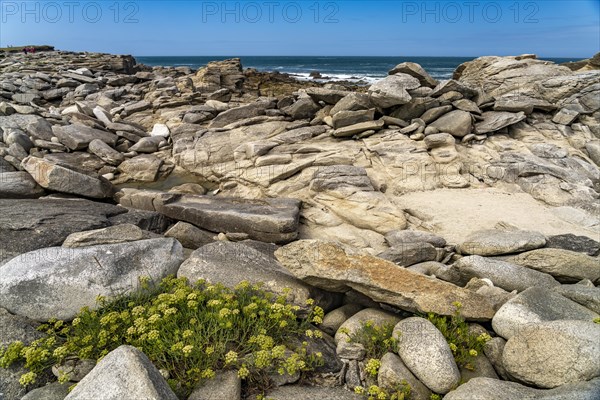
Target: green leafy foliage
{"x":189,"y":331}
{"x":376,"y":339}
{"x":465,"y":345}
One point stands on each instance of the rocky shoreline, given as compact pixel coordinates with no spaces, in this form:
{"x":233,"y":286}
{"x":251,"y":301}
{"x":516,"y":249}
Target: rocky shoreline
{"x":382,"y":203}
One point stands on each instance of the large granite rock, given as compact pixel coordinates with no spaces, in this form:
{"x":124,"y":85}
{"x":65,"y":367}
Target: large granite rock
{"x":394,"y":373}
{"x":494,"y":389}
{"x":110,"y":235}
{"x":555,"y":353}
{"x":268,"y":220}
{"x":502,"y":274}
{"x":60,"y":179}
{"x":536,"y":305}
{"x":566,"y":266}
{"x":424,"y":350}
{"x":457,"y":123}
{"x":27,"y":225}
{"x":393,"y":90}
{"x":330,"y":266}
{"x":230,"y":263}
{"x":124,"y":373}
{"x":57,"y":281}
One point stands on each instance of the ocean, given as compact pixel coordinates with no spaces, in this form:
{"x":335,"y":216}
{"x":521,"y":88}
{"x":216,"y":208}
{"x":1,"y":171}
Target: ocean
{"x":354,"y":69}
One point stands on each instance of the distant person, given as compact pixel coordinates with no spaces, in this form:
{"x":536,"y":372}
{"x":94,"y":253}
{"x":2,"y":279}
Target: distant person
{"x":32,"y":50}
{"x":25,"y":50}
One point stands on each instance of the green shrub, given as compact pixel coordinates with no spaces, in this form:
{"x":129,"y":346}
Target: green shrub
{"x":465,"y":345}
{"x":376,"y":339}
{"x":189,"y":331}
{"x":374,"y":392}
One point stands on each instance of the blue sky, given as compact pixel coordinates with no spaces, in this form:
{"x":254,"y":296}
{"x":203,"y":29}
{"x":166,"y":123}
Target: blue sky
{"x":549,"y":28}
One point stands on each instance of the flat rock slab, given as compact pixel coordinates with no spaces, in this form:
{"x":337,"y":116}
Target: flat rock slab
{"x":494,"y":389}
{"x":267,"y":220}
{"x":58,"y":281}
{"x":27,"y":225}
{"x":331,"y":267}
{"x":536,"y":305}
{"x":125,"y":373}
{"x":492,"y":242}
{"x":496,"y":120}
{"x":567,"y":350}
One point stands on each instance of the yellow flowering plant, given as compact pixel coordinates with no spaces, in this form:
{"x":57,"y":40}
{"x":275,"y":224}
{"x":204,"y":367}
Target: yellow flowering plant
{"x":191,"y":331}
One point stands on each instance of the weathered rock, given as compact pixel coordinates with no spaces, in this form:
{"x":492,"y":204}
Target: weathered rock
{"x":589,"y":297}
{"x":407,"y":254}
{"x":581,"y":244}
{"x":335,"y":318}
{"x":58,"y":281}
{"x":565,"y":116}
{"x":552,"y":354}
{"x":144,"y":168}
{"x":536,"y":305}
{"x":503,"y":274}
{"x":302,"y":108}
{"x":496,"y":120}
{"x":493,"y":350}
{"x":123,"y":373}
{"x":52,"y":391}
{"x":352,"y":130}
{"x":492,"y":242}
{"x":352,"y":102}
{"x":55,"y":177}
{"x":190,"y":236}
{"x":105,"y":152}
{"x":110,"y":235}
{"x":226,"y":385}
{"x":393,"y":373}
{"x":329,"y":96}
{"x":398,"y":238}
{"x":19,"y":185}
{"x":392,"y":90}
{"x":238,"y":113}
{"x":230,"y":263}
{"x":269,"y":220}
{"x":78,"y":137}
{"x":416,"y":71}
{"x":27,"y":225}
{"x":219,"y":74}
{"x":356,"y":322}
{"x":566,"y":266}
{"x":426,"y":353}
{"x":147,"y":144}
{"x":494,"y":389}
{"x":346,"y":118}
{"x":457,"y":123}
{"x":329,"y":266}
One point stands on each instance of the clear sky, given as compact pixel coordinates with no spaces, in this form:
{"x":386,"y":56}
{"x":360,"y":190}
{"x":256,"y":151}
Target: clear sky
{"x":549,"y":28}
